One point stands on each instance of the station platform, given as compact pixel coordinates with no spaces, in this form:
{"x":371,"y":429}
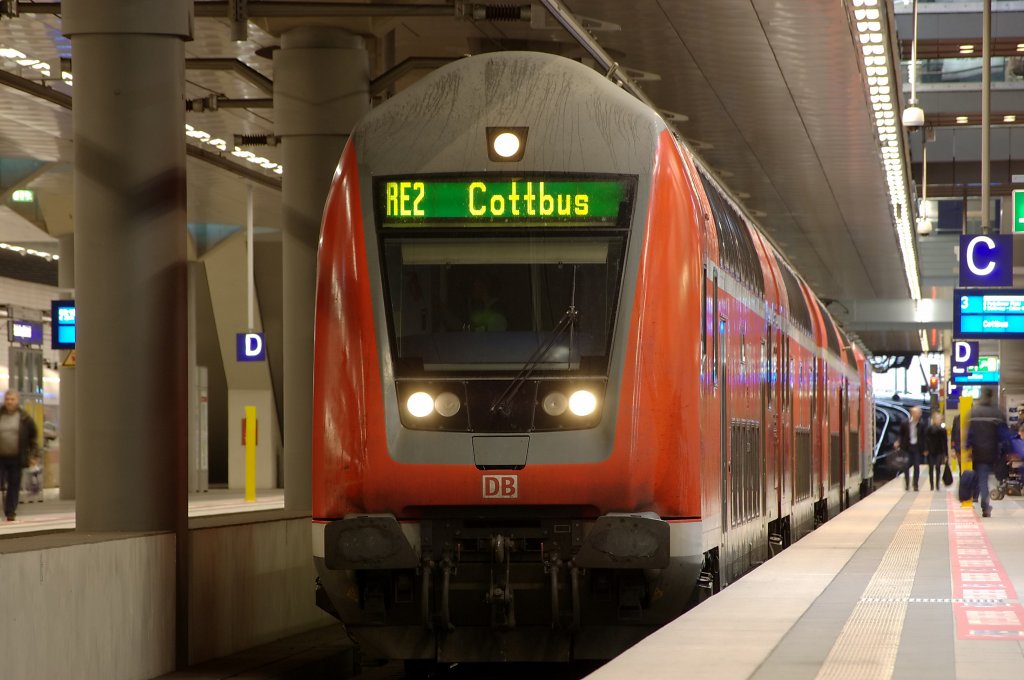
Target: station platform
{"x":903,"y":584}
{"x":53,"y":514}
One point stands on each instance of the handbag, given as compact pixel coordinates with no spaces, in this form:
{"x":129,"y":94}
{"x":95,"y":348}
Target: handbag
{"x":900,"y":460}
{"x":947,"y":475}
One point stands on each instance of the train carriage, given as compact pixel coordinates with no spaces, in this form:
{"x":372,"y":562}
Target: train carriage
{"x":563,"y":387}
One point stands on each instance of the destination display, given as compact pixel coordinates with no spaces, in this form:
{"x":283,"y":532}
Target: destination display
{"x":979,"y":314}
{"x":63,"y":319}
{"x":485,"y":202}
{"x":985,"y":373}
{"x":25,"y":332}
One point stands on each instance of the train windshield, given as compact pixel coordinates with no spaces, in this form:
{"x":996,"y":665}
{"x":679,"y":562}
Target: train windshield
{"x":494,"y":303}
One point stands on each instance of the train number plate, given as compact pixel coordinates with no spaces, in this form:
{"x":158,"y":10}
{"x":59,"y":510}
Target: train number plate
{"x":501,"y":486}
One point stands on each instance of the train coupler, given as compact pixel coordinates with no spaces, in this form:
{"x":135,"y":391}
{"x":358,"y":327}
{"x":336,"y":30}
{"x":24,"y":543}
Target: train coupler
{"x":447,"y":570}
{"x":501,"y":595}
{"x":553,"y":568}
{"x":426,"y":584}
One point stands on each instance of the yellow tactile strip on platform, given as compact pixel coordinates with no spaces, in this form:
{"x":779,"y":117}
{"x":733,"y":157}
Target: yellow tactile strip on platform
{"x":867,"y":646}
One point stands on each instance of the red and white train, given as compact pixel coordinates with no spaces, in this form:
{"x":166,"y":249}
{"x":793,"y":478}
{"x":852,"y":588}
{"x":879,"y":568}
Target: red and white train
{"x":563,"y":387}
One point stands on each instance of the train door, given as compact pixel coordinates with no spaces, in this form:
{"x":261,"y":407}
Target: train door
{"x":769,"y":478}
{"x":837,"y":444}
{"x":819,"y":432}
{"x":717,"y":359}
{"x":723,"y":396}
{"x":782,"y":428}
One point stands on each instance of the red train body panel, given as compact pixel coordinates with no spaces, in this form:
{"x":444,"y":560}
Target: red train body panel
{"x":732,"y":415}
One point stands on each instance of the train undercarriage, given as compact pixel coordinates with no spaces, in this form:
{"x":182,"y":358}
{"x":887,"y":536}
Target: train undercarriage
{"x":467,"y":588}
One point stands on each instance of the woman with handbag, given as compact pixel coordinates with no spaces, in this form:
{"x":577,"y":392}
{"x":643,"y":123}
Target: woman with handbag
{"x":937,"y":451}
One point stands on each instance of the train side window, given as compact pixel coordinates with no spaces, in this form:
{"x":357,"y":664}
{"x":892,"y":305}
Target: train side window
{"x":704,"y":315}
{"x":790,"y":386}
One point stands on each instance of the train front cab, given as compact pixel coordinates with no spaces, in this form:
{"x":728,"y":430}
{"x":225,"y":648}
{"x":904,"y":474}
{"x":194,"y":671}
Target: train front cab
{"x":411,"y":556}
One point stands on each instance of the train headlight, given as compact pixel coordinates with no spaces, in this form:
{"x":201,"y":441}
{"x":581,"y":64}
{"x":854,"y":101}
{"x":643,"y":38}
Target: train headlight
{"x":506,"y":143}
{"x":420,"y":404}
{"x":582,"y":403}
{"x":447,"y":404}
{"x":555,"y":404}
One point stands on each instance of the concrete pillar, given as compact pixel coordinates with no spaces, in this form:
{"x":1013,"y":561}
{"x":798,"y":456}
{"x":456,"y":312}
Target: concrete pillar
{"x":66,"y":287}
{"x":130,"y":262}
{"x":321,"y":88}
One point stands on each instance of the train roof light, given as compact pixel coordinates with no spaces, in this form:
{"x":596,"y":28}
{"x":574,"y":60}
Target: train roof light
{"x":505,"y":144}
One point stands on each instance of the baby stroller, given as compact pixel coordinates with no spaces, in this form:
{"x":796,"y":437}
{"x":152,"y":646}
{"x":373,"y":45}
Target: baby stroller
{"x":1011,"y":474}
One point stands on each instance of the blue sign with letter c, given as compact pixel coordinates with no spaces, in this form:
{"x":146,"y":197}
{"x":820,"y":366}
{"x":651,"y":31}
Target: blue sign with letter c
{"x":986,"y":260}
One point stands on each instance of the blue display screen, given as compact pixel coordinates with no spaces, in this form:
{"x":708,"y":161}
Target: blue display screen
{"x":985,"y":373}
{"x":63,"y":320}
{"x":985,"y":313}
{"x":25,"y":332}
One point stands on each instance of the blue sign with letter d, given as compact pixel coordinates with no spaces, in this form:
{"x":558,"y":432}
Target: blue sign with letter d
{"x":250,"y":347}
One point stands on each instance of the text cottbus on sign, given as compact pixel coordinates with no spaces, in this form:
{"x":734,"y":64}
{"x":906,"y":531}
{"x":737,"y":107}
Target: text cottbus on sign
{"x":250,"y":347}
{"x":965,"y":353}
{"x":980,"y":314}
{"x":986,"y":260}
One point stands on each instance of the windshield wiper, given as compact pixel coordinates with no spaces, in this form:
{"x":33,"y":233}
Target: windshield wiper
{"x":568,"y":320}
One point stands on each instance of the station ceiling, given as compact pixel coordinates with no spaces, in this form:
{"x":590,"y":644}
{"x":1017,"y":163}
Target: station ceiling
{"x":769,"y":94}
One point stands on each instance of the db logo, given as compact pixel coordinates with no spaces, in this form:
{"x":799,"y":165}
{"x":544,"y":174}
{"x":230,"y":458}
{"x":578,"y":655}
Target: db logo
{"x":501,"y":486}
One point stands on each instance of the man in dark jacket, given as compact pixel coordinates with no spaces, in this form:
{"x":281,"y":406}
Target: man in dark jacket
{"x":912,"y":441}
{"x":985,"y":438}
{"x":937,"y":450}
{"x":18,"y":438}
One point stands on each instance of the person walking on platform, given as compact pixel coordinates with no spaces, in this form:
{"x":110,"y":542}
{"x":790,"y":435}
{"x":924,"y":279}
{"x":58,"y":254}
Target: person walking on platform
{"x":937,"y":450}
{"x":912,"y":441}
{"x":17,"y":440}
{"x":954,"y":440}
{"x":985,"y":438}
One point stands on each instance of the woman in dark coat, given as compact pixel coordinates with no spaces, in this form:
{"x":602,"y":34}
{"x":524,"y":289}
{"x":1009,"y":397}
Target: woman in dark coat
{"x":937,"y":450}
{"x":912,"y":441}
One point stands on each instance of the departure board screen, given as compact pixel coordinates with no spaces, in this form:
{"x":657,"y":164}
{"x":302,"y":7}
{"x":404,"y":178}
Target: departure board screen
{"x":483,"y":201}
{"x":63,"y":320}
{"x":987,"y":313}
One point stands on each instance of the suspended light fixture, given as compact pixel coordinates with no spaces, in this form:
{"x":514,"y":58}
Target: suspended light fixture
{"x":871,"y":22}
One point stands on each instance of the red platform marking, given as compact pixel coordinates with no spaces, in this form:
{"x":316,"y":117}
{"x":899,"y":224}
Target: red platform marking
{"x":985,"y":601}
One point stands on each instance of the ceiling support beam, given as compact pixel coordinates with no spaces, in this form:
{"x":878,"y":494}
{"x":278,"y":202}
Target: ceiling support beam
{"x":228,"y":64}
{"x":386,"y":80}
{"x":893,"y":315}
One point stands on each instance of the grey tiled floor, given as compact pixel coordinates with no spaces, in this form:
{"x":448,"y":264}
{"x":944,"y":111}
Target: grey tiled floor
{"x":783,"y":619}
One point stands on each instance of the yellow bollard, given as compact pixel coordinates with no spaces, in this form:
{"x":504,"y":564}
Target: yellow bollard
{"x":250,"y":454}
{"x":965,"y":453}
